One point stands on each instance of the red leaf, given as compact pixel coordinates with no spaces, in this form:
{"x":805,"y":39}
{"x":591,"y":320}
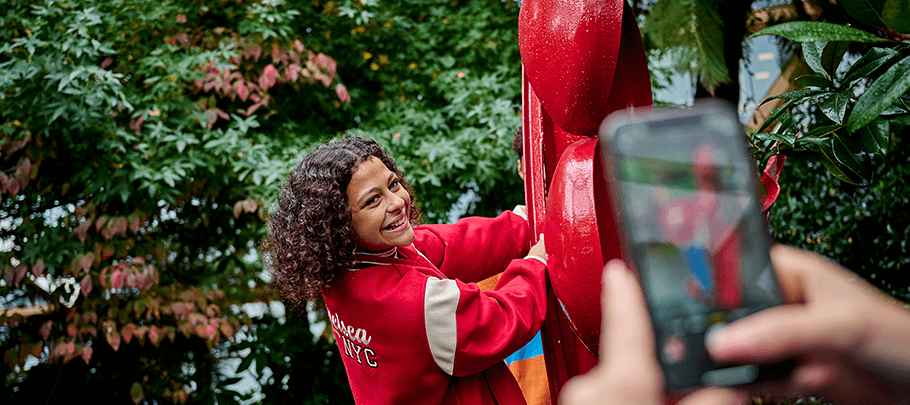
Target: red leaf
{"x":117,"y":280}
{"x":86,"y":262}
{"x":155,"y":336}
{"x":342,"y":93}
{"x":23,"y":167}
{"x":13,"y":186}
{"x":107,"y":251}
{"x":182,"y":38}
{"x":298,"y":45}
{"x":227,"y":330}
{"x":71,"y":329}
{"x":100,"y":222}
{"x":241,"y":89}
{"x":276,"y":53}
{"x":127,"y":331}
{"x":82,"y":230}
{"x":87,"y":353}
{"x":4,"y":180}
{"x":139,"y":260}
{"x":38,"y":268}
{"x":19,"y":274}
{"x":46,"y":329}
{"x":256,"y":51}
{"x":86,"y":285}
{"x":120,"y":225}
{"x":181,"y":18}
{"x":113,"y":339}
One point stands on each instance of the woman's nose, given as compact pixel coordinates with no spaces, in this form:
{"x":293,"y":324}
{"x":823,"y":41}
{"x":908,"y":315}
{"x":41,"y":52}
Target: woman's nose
{"x":396,"y":202}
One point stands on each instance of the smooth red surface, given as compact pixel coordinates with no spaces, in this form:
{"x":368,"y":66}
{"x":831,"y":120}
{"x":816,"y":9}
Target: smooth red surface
{"x":582,"y":60}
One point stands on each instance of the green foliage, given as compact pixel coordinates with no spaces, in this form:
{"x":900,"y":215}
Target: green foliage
{"x":860,"y":110}
{"x":691,"y":33}
{"x":141,"y":142}
{"x":844,"y":190}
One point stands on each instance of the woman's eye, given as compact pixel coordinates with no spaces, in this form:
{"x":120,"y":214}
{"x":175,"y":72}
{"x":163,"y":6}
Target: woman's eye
{"x":394,"y":185}
{"x":372,"y":200}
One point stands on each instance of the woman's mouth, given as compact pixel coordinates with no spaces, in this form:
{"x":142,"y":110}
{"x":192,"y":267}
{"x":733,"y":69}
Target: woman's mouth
{"x":396,"y":224}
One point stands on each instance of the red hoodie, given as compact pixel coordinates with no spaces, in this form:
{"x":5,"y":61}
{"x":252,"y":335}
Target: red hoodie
{"x":415,"y":329}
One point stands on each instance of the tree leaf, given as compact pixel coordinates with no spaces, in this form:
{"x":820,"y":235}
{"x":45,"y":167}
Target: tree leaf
{"x":867,"y":11}
{"x":880,"y":94}
{"x":813,"y":80}
{"x":896,"y":15}
{"x":832,"y":56}
{"x":136,"y":393}
{"x":873,"y":59}
{"x":836,"y":106}
{"x":814,"y":31}
{"x":800,"y":96}
{"x":775,"y":137}
{"x":812,"y":54}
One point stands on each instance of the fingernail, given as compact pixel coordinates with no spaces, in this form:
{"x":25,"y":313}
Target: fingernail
{"x":717,"y":337}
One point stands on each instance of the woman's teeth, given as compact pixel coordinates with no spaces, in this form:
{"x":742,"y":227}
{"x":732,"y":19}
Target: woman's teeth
{"x":394,"y":225}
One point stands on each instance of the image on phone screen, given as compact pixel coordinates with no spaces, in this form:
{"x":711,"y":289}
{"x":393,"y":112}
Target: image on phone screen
{"x":687,"y":190}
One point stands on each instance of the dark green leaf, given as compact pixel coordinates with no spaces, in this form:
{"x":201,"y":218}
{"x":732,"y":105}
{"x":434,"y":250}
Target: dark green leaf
{"x":775,"y":137}
{"x":776,"y":114}
{"x":874,"y":137}
{"x":867,"y":11}
{"x":834,"y":166}
{"x":896,"y":14}
{"x":812,"y":54}
{"x":869,"y":63}
{"x":813,"y":80}
{"x":800,"y":96}
{"x":832,"y":56}
{"x":244,"y":364}
{"x":821,"y":130}
{"x":846,"y":151}
{"x":880,"y":94}
{"x":836,"y":106}
{"x":814,"y":31}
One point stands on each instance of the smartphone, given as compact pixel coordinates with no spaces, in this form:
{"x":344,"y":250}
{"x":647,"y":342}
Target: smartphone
{"x":685,"y":191}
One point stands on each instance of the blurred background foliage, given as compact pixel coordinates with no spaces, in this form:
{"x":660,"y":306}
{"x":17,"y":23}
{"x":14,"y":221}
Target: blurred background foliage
{"x":142,"y":141}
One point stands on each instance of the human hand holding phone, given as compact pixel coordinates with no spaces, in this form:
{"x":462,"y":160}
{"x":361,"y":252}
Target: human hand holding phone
{"x":851,"y":341}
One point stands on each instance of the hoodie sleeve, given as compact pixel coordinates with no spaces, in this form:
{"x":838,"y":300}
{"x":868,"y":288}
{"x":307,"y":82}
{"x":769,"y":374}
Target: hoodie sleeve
{"x":474,"y":248}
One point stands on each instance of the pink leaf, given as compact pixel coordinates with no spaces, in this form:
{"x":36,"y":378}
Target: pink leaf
{"x":127,"y":332}
{"x":13,"y":186}
{"x":139,"y":260}
{"x":19,"y":274}
{"x":100,"y":222}
{"x":256,"y":51}
{"x":298,"y":45}
{"x":342,"y":93}
{"x":181,"y":18}
{"x":117,"y":280}
{"x":38,"y":268}
{"x":86,"y":285}
{"x":46,"y":329}
{"x":82,"y":230}
{"x":87,"y":353}
{"x":106,"y":62}
{"x":269,"y":75}
{"x":242,"y":91}
{"x":276,"y":53}
{"x":86,"y":262}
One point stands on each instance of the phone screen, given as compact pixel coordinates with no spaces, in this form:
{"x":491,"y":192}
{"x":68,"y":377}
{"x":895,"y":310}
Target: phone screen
{"x":688,"y":202}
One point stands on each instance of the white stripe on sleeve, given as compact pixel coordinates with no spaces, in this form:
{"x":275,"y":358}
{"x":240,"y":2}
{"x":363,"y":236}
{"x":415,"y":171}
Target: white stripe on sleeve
{"x":440,"y":303}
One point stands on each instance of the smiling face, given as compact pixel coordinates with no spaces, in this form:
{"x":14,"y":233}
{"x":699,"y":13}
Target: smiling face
{"x":380,"y":207}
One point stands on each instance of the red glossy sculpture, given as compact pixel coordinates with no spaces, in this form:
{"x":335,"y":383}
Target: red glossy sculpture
{"x":582,"y":60}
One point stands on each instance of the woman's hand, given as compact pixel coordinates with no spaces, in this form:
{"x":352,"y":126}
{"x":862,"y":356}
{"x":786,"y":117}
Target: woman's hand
{"x":538,"y":251}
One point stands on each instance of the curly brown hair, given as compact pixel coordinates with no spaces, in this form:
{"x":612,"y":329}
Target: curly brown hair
{"x":310,"y":243}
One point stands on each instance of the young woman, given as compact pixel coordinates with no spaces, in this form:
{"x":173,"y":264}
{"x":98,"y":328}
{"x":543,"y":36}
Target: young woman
{"x":410,"y":323}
